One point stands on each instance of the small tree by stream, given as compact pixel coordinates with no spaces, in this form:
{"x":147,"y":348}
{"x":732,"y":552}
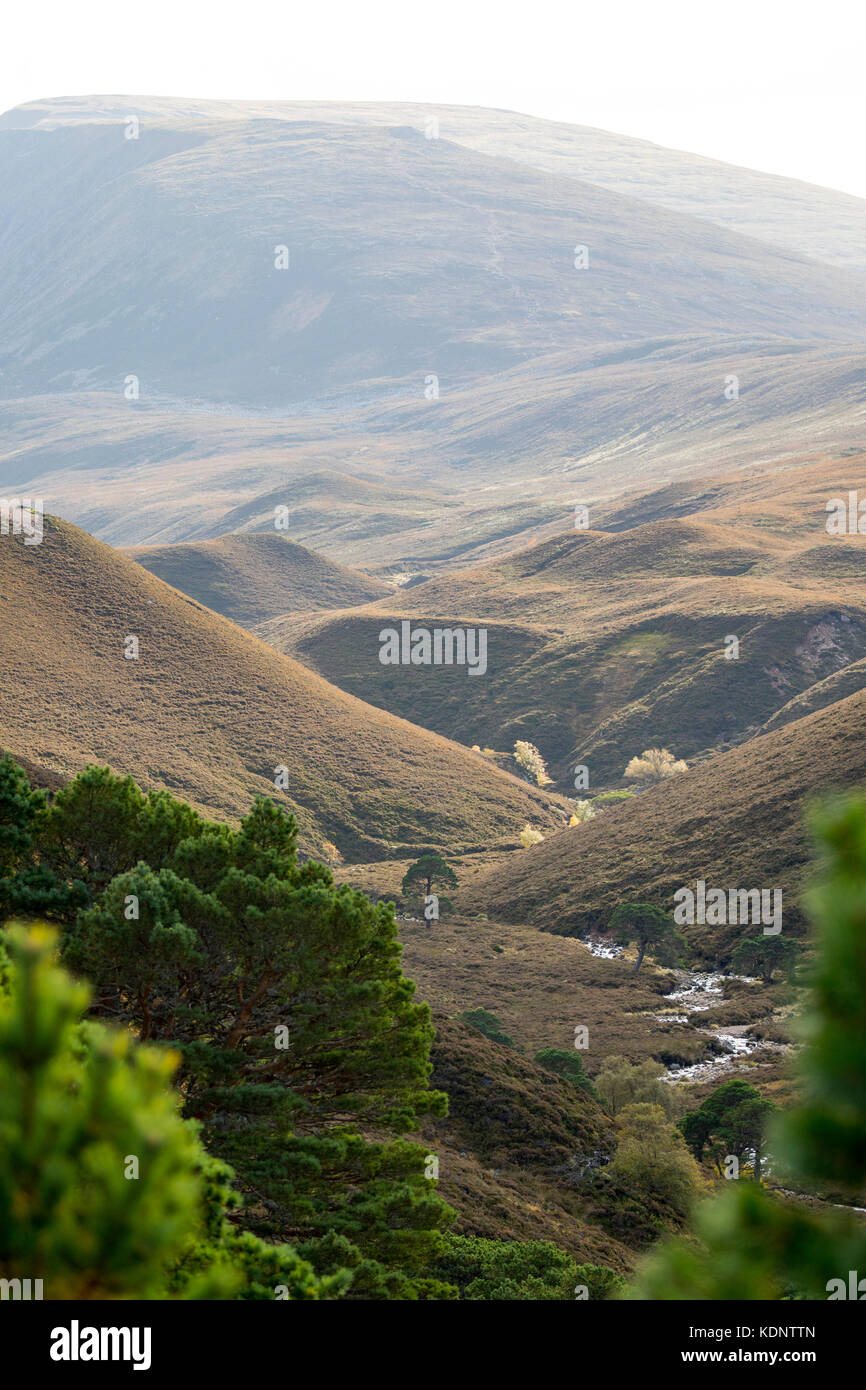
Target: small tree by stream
{"x":652,"y":929}
{"x":731,"y":1122}
{"x":763,"y":955}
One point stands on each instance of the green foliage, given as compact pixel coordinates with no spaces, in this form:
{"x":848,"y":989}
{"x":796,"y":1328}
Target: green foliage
{"x":97,"y":826}
{"x":567,"y":1065}
{"x":652,"y":1156}
{"x":283,"y":994}
{"x":599,"y":1281}
{"x":652,"y":929}
{"x":428,"y":870}
{"x":750,"y":1245}
{"x":762,"y":955}
{"x":746,"y":1245}
{"x":826,"y":1136}
{"x":22,"y":810}
{"x":635,"y":1217}
{"x":620,"y":1083}
{"x":28,"y":888}
{"x":509,"y":1271}
{"x":333,"y":1253}
{"x":731,"y":1121}
{"x":82,"y":1108}
{"x":488,"y":1024}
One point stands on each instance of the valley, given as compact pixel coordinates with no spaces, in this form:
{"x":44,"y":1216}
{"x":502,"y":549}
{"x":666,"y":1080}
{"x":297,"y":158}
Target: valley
{"x":468,"y":522}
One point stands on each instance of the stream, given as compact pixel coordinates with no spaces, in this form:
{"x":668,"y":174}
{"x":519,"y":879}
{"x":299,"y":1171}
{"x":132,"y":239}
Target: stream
{"x":698,"y":991}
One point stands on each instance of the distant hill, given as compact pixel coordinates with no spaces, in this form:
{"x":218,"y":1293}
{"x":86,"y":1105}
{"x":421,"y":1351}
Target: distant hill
{"x":781,"y":211}
{"x":457,"y":373}
{"x":604,"y":643}
{"x":735,"y":822}
{"x":211,"y":712}
{"x":169,"y":264}
{"x":252,"y":577}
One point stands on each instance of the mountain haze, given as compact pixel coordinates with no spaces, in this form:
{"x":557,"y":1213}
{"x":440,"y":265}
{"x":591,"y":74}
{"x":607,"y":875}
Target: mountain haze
{"x":431,"y":338}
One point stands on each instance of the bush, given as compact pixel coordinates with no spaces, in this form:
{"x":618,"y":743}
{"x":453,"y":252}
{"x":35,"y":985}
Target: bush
{"x":508,"y":1271}
{"x":567,"y":1065}
{"x":488,"y":1024}
{"x":529,"y":836}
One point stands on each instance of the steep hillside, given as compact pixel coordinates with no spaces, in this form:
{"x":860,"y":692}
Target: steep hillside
{"x":736,"y":822}
{"x":250,"y":578}
{"x":212,"y":713}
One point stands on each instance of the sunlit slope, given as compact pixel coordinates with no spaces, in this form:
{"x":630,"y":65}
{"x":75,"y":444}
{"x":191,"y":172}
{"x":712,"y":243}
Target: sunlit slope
{"x":688,"y":632}
{"x":252,"y":577}
{"x":211,"y":712}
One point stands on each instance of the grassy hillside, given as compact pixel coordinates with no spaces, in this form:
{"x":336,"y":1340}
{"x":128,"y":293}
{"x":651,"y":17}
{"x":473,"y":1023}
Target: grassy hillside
{"x":514,"y":1144}
{"x":210,"y":712}
{"x":553,"y":384}
{"x":603,"y":643}
{"x":737,"y":822}
{"x":401,"y":482}
{"x":249,"y":578}
{"x":471,"y":269}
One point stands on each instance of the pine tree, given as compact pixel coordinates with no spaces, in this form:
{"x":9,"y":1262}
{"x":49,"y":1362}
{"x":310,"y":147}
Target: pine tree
{"x":105,"y":1192}
{"x":28,"y":888}
{"x":652,"y":929}
{"x":730,"y":1122}
{"x":298,"y":1034}
{"x":428,"y":869}
{"x":763,"y":955}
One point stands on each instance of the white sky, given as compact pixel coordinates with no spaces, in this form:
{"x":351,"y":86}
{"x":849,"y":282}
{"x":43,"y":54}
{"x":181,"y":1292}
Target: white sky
{"x":776,"y":85}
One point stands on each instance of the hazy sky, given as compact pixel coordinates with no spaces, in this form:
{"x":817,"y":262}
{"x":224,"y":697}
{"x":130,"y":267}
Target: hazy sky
{"x":774,"y":84}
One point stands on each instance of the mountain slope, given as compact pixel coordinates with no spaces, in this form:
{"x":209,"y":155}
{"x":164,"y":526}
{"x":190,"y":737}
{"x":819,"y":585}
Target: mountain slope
{"x":433,"y":350}
{"x":423,"y":484}
{"x":782,"y":211}
{"x":402,"y":256}
{"x":251,"y":577}
{"x":736,"y":822}
{"x":210,"y":712}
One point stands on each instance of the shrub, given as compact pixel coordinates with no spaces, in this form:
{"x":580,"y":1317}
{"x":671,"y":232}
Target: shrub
{"x":530,"y":762}
{"x":654,"y":765}
{"x":488,"y":1024}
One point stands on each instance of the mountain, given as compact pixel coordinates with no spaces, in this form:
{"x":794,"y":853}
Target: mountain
{"x":211,"y":713}
{"x":251,"y":577}
{"x":781,"y":211}
{"x":434,"y":341}
{"x":402,"y":256}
